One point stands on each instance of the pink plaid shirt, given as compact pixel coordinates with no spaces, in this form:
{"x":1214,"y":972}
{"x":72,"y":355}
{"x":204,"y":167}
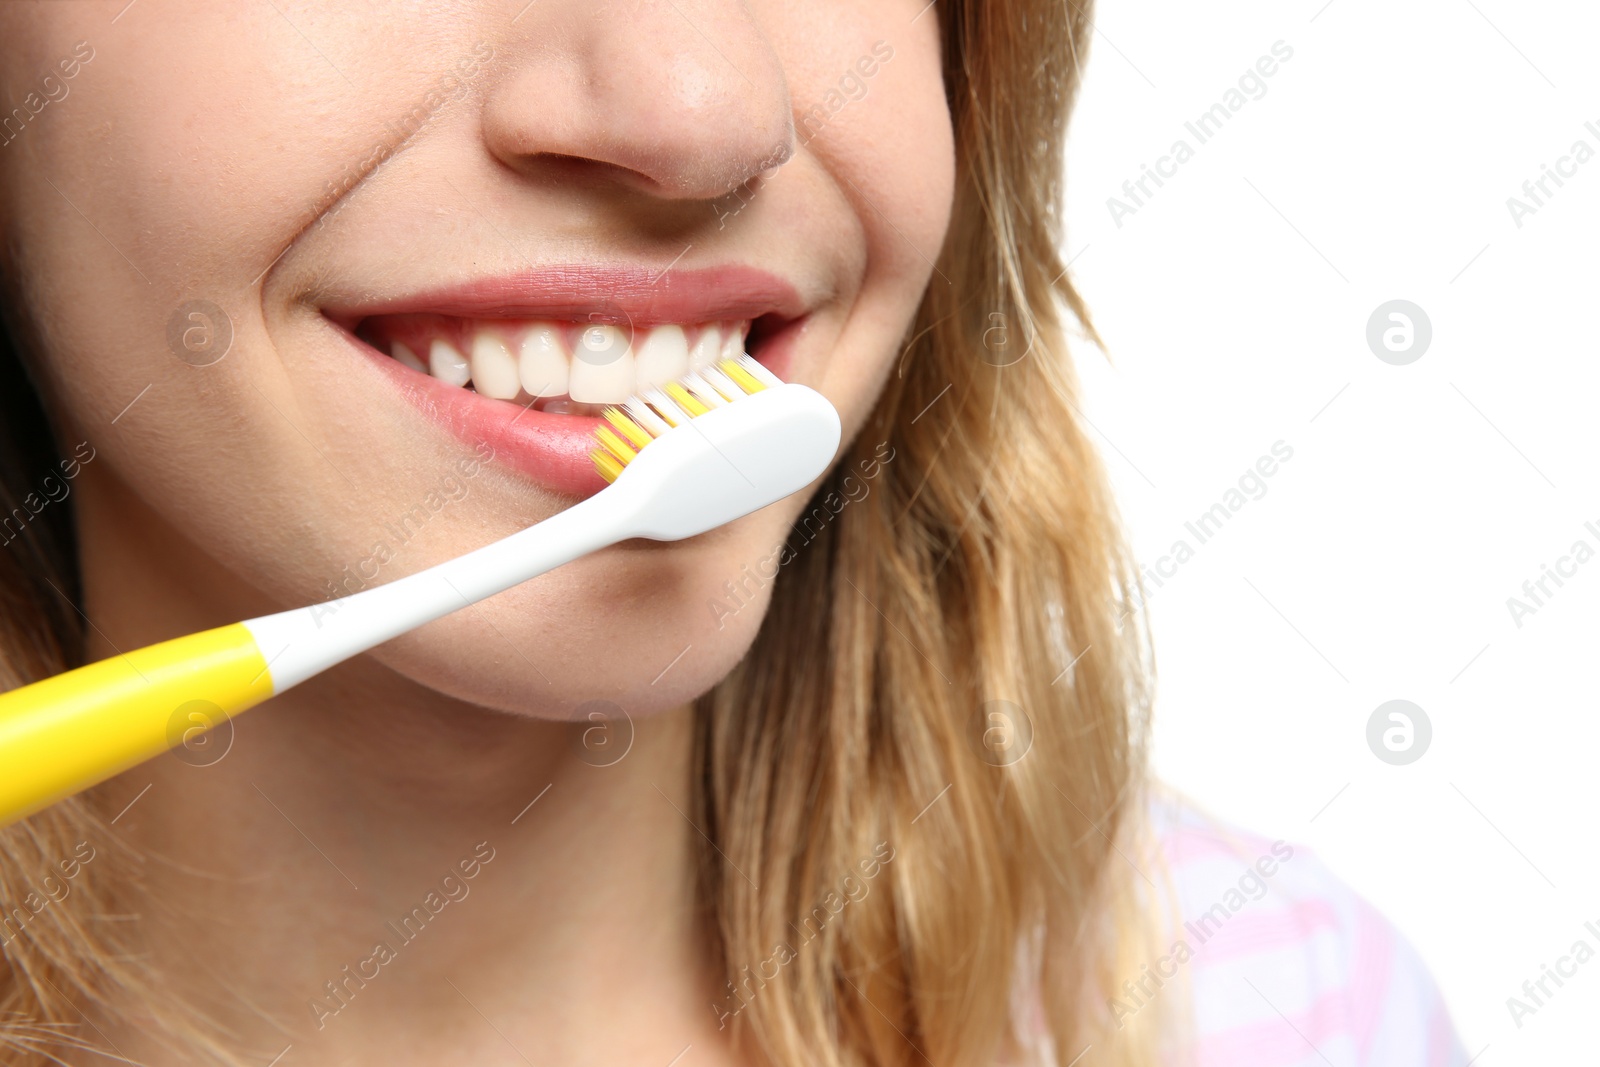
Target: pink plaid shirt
{"x":1287,"y":966}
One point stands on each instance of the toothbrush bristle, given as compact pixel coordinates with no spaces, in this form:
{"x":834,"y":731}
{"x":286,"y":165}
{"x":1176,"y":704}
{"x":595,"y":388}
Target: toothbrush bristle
{"x":632,"y":426}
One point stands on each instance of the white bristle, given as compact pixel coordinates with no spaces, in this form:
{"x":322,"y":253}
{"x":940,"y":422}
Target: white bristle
{"x":703,"y":390}
{"x":666,"y":406}
{"x":640,"y":412}
{"x":722,"y":383}
{"x":759,"y":371}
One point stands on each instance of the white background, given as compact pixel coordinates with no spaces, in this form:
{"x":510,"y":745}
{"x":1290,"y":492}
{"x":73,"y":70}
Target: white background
{"x":1419,"y":498}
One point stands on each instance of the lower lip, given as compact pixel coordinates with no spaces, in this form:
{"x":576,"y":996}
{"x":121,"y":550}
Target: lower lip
{"x":553,"y":450}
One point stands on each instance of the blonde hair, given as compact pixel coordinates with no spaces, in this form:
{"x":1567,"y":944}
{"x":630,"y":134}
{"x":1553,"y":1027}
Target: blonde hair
{"x":983,"y":563}
{"x":925,"y":893}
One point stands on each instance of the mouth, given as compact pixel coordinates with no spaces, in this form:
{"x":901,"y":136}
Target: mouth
{"x":565,"y":368}
{"x":525,"y":365}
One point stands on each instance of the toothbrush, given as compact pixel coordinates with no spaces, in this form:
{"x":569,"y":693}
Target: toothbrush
{"x":681,"y":460}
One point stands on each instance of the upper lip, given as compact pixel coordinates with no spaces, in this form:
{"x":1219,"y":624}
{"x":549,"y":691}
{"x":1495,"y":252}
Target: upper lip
{"x":594,"y":293}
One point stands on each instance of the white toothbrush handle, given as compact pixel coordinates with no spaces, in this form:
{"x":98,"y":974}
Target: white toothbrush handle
{"x":306,"y":641}
{"x":710,"y":470}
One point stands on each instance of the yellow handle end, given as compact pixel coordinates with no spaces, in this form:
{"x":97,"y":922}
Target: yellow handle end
{"x":64,"y":734}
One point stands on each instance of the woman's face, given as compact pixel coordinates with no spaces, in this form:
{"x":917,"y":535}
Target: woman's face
{"x":355,"y":205}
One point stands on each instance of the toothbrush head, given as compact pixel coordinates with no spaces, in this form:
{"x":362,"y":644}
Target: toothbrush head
{"x":642,"y":419}
{"x":715,"y":445}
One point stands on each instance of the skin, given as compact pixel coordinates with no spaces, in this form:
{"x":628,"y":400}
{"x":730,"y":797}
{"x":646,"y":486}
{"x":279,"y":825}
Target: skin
{"x":192,"y":158}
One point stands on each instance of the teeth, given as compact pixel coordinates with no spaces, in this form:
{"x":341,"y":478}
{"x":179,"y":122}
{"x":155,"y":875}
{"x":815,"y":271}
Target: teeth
{"x":732,"y":341}
{"x":446,"y":363}
{"x":494,"y":369}
{"x":403,"y":354}
{"x":542,"y":364}
{"x":707,"y":347}
{"x":570,"y":368}
{"x":602,"y":367}
{"x":601,"y":345}
{"x":662,"y":357}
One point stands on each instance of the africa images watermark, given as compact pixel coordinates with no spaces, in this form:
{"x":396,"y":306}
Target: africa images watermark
{"x":52,"y":490}
{"x":452,"y":888}
{"x":1251,"y":886}
{"x":447,"y":86}
{"x":15,"y":917}
{"x":1566,"y":167}
{"x":50,"y":90}
{"x":1566,"y":566}
{"x":1251,"y":85}
{"x":452,"y":489}
{"x":809,"y":527}
{"x":744,"y":986}
{"x":1251,"y":485}
{"x":1566,"y":967}
{"x":729,"y":206}
{"x":851,"y":88}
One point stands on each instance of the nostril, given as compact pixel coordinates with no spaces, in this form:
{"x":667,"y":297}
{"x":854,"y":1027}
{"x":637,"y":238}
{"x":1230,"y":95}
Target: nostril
{"x":580,"y":170}
{"x":691,"y":104}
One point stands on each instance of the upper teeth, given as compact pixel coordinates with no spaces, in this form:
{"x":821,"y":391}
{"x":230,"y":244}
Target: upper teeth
{"x":595,"y":363}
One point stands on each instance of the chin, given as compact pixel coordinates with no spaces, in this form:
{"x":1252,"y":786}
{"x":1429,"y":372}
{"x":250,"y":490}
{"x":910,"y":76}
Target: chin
{"x":642,"y":627}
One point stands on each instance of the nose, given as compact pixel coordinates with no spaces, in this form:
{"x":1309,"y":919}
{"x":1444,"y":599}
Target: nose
{"x":683,"y":99}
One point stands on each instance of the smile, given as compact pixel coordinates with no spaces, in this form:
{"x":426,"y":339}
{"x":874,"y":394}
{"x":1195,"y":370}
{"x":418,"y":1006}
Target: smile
{"x":526,"y":363}
{"x":569,"y":368}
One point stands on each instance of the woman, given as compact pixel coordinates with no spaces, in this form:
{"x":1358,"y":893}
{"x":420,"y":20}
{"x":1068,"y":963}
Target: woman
{"x":309,"y":296}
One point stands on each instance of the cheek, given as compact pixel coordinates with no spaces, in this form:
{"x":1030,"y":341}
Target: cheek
{"x":888,"y":143}
{"x":891,"y":156}
{"x":146,"y":223}
{"x":187,"y":156}
{"x":645,"y":627}
{"x":901,"y":161}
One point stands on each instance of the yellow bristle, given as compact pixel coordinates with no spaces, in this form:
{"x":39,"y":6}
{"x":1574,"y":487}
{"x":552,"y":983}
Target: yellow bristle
{"x":741,"y":377}
{"x":666,"y":410}
{"x":617,"y":445}
{"x":607,"y":464}
{"x":686,"y":400}
{"x":628,"y":428}
{"x":621,"y":437}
